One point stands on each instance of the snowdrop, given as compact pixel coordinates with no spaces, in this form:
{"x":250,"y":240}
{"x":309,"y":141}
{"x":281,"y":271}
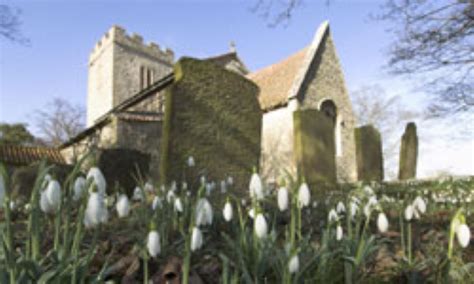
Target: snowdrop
{"x":170,"y":196}
{"x":223,"y":187}
{"x":79,"y":188}
{"x":178,"y":205}
{"x":148,"y":187}
{"x":409,"y":212}
{"x":203,"y":212}
{"x":137,"y":194}
{"x":96,"y":211}
{"x":294,"y":264}
{"x":260,"y":226}
{"x":463,"y":235}
{"x":153,"y":243}
{"x":282,"y":198}
{"x":98,"y":179}
{"x":332,"y":216}
{"x":196,"y":239}
{"x":340,"y":208}
{"x":44,"y":203}
{"x":191,"y":162}
{"x":251,"y":213}
{"x":123,"y":206}
{"x":419,"y":205}
{"x":304,"y":196}
{"x":256,"y":187}
{"x":227,"y":211}
{"x":156,"y":203}
{"x":382,"y":222}
{"x":50,"y":198}
{"x":354,"y":207}
{"x":230,"y":180}
{"x":339,"y":233}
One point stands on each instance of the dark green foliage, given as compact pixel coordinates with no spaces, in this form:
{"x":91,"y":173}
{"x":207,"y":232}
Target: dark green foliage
{"x":213,"y":115}
{"x":408,"y":153}
{"x":369,"y":153}
{"x":122,"y":167}
{"x":23,"y":178}
{"x":15,"y":134}
{"x":314,"y":146}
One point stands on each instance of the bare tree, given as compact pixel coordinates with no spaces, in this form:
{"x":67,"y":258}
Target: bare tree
{"x":435,"y":39}
{"x":59,"y":121}
{"x":387,"y":113}
{"x":10,"y":24}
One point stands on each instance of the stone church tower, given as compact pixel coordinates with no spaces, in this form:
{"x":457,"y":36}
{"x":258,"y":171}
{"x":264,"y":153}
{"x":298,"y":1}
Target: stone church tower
{"x":120,"y":66}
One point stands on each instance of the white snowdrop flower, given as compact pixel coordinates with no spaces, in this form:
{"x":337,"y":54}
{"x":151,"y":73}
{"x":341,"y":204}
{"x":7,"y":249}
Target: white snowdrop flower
{"x":282,"y":198}
{"x":204,"y":212}
{"x":382,"y":223}
{"x":419,"y":205}
{"x":184,"y":185}
{"x":178,"y":205}
{"x":368,"y":190}
{"x":170,"y":196}
{"x":98,"y":179}
{"x":227,"y":211}
{"x":53,"y":194}
{"x":260,"y":227}
{"x":137,"y":194}
{"x":332,"y":216}
{"x":223,"y":187}
{"x":230,"y":180}
{"x":409,"y":212}
{"x":243,"y":202}
{"x":203,"y":180}
{"x":304,"y":196}
{"x":79,"y":188}
{"x":208,"y":189}
{"x":153,"y":243}
{"x":156,"y":203}
{"x":149,"y":188}
{"x":196,"y":239}
{"x":294,"y":264}
{"x":27,"y":207}
{"x":2,"y":190}
{"x":340,"y":208}
{"x":44,"y":203}
{"x":123,"y":206}
{"x":256,"y":187}
{"x":463,"y":235}
{"x":367,"y":210}
{"x":191,"y":162}
{"x":12,"y":205}
{"x":251,"y":213}
{"x":354,"y":207}
{"x":373,"y":201}
{"x":339,"y":233}
{"x":96,"y":212}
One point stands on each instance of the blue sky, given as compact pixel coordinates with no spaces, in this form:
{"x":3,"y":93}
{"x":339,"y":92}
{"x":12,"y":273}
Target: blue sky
{"x":62,"y":34}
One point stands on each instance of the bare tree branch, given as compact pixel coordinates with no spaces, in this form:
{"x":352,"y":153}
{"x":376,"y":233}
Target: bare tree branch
{"x":10,"y":24}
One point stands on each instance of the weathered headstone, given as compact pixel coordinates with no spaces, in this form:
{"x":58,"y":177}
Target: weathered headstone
{"x":314,"y":146}
{"x":408,"y":153}
{"x":369,"y":154}
{"x":213,"y":115}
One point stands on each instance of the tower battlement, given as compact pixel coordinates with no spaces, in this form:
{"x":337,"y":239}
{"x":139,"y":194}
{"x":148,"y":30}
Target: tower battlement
{"x":119,"y":36}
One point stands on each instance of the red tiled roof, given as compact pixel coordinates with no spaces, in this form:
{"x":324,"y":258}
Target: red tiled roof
{"x":23,"y":155}
{"x":275,"y":81}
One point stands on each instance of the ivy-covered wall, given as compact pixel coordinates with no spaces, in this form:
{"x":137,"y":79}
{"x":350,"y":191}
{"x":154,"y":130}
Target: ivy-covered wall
{"x":213,"y":115}
{"x":314,"y":147}
{"x":369,"y":154}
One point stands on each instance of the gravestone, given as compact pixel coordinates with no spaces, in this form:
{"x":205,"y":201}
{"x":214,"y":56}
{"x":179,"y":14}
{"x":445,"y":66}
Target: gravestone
{"x":408,"y":153}
{"x":369,"y":154}
{"x":214,"y":116}
{"x":314,"y":146}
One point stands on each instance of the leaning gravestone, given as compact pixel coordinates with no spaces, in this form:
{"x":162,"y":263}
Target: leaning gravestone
{"x":214,"y":116}
{"x":369,"y":154}
{"x":408,"y":153}
{"x":314,"y":146}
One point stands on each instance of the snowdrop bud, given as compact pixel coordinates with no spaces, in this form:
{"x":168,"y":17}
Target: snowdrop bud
{"x":282,"y":198}
{"x":230,"y":180}
{"x":208,"y":189}
{"x":409,"y":211}
{"x":98,"y":179}
{"x":153,"y":243}
{"x":203,"y":212}
{"x":44,"y":203}
{"x":315,"y":204}
{"x":354,"y":209}
{"x":156,"y":203}
{"x":190,"y":162}
{"x":228,"y":212}
{"x":419,"y":205}
{"x":251,"y":213}
{"x":463,"y":235}
{"x":79,"y":188}
{"x":170,"y":196}
{"x":294,"y":264}
{"x":341,"y":208}
{"x":96,"y":212}
{"x":137,"y":194}
{"x":339,"y":233}
{"x":203,"y":180}
{"x":196,"y":239}
{"x":184,"y":185}
{"x":256,"y":187}
{"x":178,"y":205}
{"x":304,"y":195}
{"x":53,"y":193}
{"x":223,"y":187}
{"x":12,"y":205}
{"x":243,"y":202}
{"x":368,"y":190}
{"x":260,"y":226}
{"x":332,"y":216}
{"x":123,"y":206}
{"x":382,"y":223}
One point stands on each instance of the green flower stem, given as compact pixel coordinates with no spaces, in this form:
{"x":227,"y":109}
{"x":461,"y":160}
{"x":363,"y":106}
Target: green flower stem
{"x":402,"y":233}
{"x":409,"y":244}
{"x":145,"y":268}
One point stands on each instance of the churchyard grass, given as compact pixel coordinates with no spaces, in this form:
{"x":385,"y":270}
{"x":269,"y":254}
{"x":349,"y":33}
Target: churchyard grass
{"x":83,"y":232}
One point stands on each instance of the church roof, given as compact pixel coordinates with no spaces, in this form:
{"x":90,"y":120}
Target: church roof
{"x":282,"y":81}
{"x":25,"y":155}
{"x":224,"y":60}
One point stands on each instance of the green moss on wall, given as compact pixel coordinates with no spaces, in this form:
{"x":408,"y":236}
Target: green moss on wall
{"x":369,"y":154}
{"x":314,"y":147}
{"x":213,"y":115}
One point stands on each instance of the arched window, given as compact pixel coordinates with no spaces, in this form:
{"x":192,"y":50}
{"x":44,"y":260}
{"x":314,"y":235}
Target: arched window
{"x":329,"y":108}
